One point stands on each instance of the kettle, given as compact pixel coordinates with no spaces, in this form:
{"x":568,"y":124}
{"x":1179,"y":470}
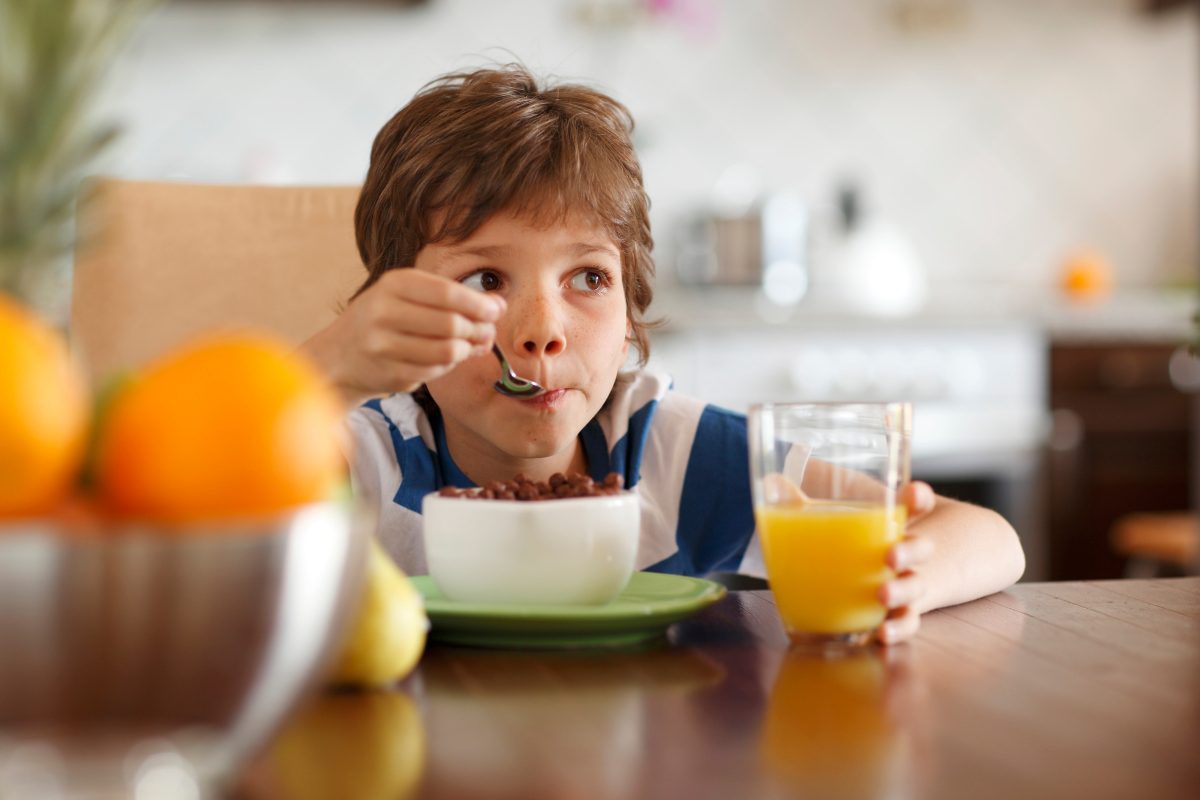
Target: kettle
{"x":872,"y":265}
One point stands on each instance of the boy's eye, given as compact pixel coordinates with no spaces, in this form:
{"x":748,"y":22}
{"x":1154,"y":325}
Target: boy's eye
{"x":484,"y":281}
{"x":589,"y":280}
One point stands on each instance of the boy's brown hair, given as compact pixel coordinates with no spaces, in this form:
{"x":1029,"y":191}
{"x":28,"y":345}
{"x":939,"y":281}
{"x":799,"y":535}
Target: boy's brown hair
{"x":474,"y":143}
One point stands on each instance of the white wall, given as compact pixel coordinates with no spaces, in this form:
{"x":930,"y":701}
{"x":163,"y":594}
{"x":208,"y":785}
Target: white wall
{"x":1027,"y":128}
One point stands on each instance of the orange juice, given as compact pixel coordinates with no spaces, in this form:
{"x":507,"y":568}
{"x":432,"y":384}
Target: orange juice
{"x":825,"y":562}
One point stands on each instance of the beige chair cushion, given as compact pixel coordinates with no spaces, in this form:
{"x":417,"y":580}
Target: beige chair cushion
{"x":174,"y":259}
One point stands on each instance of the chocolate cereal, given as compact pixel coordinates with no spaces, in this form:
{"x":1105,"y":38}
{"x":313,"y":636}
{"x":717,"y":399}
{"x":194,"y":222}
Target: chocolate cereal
{"x":559,"y":487}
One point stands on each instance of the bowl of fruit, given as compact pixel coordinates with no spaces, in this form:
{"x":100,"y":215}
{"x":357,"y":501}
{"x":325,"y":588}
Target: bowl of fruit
{"x":176,"y":568}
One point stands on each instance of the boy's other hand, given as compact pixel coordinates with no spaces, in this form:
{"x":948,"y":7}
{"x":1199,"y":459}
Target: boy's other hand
{"x":918,"y":498}
{"x":408,"y":328}
{"x":902,"y":595}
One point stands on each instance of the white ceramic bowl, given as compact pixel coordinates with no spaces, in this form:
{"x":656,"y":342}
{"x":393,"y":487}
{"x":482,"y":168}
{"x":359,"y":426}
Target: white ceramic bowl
{"x":576,"y":551}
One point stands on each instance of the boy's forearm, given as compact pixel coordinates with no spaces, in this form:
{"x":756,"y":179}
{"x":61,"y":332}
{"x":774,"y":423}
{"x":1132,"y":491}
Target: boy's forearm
{"x":976,"y":553}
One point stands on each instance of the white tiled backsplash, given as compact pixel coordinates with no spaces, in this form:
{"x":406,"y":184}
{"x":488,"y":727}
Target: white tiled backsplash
{"x":1000,"y":140}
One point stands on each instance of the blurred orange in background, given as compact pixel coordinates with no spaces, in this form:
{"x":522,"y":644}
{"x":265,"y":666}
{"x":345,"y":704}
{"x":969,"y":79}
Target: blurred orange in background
{"x":1086,"y":275}
{"x":44,"y":412}
{"x":231,"y":425}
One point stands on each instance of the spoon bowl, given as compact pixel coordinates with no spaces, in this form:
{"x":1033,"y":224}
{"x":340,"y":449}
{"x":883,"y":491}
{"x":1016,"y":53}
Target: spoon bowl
{"x":512,"y":384}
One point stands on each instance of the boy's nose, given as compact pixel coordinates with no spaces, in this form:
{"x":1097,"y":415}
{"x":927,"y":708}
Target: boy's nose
{"x":539,"y":331}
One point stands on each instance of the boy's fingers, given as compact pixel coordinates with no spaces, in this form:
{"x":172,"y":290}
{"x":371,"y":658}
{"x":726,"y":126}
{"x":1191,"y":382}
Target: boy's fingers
{"x":438,"y":292}
{"x":420,"y":351}
{"x":900,"y":626}
{"x":908,"y":553}
{"x":904,"y":590}
{"x":433,"y":323}
{"x":919,"y":498}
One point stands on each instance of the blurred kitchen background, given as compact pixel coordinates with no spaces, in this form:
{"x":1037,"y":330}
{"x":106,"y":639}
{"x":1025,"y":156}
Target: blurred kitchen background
{"x":986,"y":206}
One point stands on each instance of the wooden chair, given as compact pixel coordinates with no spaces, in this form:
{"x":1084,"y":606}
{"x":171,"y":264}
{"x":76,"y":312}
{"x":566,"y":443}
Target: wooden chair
{"x":176,"y":259}
{"x":1158,"y":543}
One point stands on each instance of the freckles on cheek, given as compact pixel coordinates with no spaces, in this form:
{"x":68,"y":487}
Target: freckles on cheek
{"x":598,"y":341}
{"x":612,"y":325}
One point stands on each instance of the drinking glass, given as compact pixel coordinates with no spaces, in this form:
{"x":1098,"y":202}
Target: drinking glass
{"x":826,"y":479}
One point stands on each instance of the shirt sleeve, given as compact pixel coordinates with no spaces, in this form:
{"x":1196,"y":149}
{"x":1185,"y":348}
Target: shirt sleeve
{"x":383,"y":483}
{"x":716,"y":516}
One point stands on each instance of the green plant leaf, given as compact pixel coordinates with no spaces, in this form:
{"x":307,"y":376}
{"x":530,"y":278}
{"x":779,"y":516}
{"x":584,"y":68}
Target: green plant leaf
{"x":54,"y":55}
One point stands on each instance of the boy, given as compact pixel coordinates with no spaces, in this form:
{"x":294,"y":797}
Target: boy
{"x":498,"y":210}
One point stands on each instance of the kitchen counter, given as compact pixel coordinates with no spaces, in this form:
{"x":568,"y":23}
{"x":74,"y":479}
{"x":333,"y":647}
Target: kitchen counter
{"x":1130,"y":315}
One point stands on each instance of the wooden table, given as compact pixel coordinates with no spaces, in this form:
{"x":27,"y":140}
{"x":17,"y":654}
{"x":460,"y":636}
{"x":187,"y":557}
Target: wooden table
{"x":1054,"y":690}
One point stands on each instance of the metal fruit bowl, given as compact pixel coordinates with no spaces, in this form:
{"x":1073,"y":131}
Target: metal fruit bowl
{"x":193,"y":641}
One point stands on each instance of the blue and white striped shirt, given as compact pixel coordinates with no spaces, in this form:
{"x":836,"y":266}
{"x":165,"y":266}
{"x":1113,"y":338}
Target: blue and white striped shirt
{"x":687,"y":460}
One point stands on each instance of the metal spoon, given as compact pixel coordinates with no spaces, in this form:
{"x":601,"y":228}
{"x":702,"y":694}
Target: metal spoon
{"x":512,"y":384}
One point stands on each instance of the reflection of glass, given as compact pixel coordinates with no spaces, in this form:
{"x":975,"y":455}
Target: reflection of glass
{"x":828,"y":731}
{"x":825,"y":483}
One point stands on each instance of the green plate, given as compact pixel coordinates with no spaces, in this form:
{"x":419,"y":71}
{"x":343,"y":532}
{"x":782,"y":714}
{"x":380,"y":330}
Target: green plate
{"x":648,"y":606}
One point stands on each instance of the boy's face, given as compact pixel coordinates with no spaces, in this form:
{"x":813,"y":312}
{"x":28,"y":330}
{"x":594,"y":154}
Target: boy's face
{"x":566,"y":328}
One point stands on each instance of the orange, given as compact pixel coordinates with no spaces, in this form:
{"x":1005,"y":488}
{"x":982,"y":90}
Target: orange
{"x":231,"y":425}
{"x":44,"y":414}
{"x":1086,"y":276}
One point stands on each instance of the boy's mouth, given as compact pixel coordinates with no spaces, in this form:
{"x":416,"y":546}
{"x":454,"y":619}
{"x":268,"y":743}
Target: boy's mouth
{"x":548,"y":399}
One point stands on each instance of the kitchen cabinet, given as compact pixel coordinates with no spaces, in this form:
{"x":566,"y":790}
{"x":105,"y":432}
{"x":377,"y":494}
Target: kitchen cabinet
{"x":1121,"y":442}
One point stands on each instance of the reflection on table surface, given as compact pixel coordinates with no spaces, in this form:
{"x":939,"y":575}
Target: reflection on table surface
{"x":835,"y":727}
{"x":1047,"y":690}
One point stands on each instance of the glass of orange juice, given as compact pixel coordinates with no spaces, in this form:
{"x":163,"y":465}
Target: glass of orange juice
{"x":826,"y":479}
